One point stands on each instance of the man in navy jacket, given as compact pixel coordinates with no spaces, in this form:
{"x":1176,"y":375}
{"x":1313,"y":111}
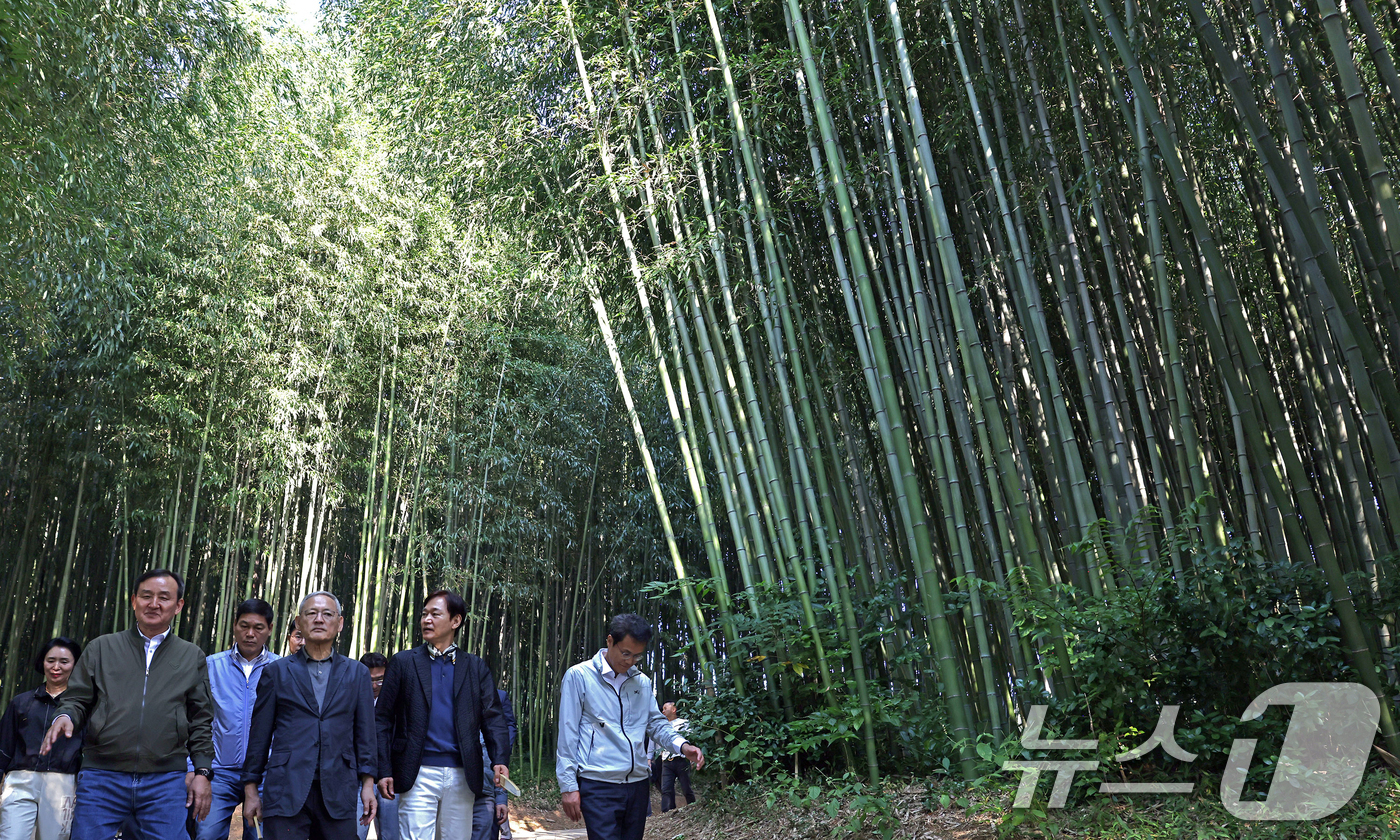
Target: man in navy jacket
{"x":312,"y":744}
{"x":492,"y":807}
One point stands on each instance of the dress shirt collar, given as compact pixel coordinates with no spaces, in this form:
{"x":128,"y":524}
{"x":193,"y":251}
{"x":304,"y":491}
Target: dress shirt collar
{"x":601,"y":663}
{"x":264,"y":656}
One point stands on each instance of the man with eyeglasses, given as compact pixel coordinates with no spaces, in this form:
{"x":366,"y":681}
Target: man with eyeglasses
{"x":606,"y":713}
{"x":312,"y":745}
{"x":386,"y":821}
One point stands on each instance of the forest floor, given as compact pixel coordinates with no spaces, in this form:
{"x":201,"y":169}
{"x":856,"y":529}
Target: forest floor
{"x":915,"y":810}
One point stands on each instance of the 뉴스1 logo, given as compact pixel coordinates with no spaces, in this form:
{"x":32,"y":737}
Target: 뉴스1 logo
{"x":1319,"y":767}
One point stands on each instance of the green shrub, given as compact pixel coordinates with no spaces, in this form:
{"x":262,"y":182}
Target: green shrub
{"x":1232,"y":624}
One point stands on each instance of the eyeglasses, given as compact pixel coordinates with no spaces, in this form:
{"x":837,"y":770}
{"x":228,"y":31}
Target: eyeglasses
{"x":377,"y":680}
{"x":326,"y":614}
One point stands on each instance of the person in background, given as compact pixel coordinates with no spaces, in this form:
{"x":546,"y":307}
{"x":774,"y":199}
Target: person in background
{"x":312,"y":736}
{"x":654,"y":750}
{"x":436,"y":704}
{"x":144,"y":694}
{"x":606,"y":712}
{"x":674,"y":767}
{"x":377,"y":663}
{"x":386,"y":819}
{"x":233,"y":683}
{"x":294,"y":638}
{"x":37,"y":799}
{"x":492,"y":808}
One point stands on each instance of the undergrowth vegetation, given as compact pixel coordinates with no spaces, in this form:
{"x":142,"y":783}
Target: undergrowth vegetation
{"x":950,"y":809}
{"x":1208,"y":640}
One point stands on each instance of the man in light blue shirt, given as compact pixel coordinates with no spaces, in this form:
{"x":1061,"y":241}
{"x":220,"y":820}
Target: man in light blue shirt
{"x":233,"y":682}
{"x":607,"y":711}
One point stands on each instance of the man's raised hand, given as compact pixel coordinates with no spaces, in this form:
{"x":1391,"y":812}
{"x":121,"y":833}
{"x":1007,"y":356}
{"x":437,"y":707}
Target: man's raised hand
{"x":62,"y":727}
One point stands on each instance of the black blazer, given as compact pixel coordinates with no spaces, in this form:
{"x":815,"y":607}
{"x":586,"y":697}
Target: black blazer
{"x":288,"y":735}
{"x":402,"y":717}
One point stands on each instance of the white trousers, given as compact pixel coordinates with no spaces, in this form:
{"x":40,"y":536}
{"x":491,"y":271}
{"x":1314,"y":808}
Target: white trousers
{"x":37,"y":806}
{"x":437,"y":807}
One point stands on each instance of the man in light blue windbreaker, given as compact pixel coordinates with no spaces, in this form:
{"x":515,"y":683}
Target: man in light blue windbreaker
{"x":606,"y":713}
{"x":233,"y":684}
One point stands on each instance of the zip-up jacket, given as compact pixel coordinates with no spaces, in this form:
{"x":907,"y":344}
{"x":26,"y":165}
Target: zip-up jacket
{"x":234,"y":694}
{"x":140,"y":720}
{"x":22,"y":731}
{"x":603,"y":730}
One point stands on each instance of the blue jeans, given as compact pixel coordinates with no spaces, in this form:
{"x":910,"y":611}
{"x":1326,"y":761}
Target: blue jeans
{"x":227,"y":795}
{"x":484,"y":825}
{"x":151,"y":805}
{"x":386,"y":821}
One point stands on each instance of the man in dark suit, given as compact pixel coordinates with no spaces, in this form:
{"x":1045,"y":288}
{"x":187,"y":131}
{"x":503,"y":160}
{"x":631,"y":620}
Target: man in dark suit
{"x":312,"y":736}
{"x":492,"y":808}
{"x":436,"y":706}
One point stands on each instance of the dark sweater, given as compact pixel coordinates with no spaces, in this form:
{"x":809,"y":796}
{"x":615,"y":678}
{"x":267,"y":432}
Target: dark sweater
{"x":405,"y":704}
{"x":139,"y":721}
{"x":22,"y":731}
{"x":440,"y":747}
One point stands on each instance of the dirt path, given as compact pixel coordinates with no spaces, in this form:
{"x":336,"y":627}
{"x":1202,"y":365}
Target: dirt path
{"x":525,"y":824}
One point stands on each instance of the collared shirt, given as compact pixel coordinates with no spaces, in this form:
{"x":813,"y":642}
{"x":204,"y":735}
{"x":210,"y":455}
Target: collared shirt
{"x":320,"y":672}
{"x":151,"y":644}
{"x":234,"y":688}
{"x":613,"y":678}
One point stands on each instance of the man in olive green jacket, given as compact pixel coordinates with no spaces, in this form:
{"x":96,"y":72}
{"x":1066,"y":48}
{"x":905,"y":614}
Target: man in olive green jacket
{"x":144,"y":695}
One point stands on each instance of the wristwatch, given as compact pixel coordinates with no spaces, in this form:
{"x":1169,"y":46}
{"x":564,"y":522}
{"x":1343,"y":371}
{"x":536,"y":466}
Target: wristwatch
{"x":205,"y":772}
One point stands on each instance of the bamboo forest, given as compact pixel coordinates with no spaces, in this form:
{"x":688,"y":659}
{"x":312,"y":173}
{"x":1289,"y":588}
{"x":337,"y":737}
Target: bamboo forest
{"x":906,"y":365}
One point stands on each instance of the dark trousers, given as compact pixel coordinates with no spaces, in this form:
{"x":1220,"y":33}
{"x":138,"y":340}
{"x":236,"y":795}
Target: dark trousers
{"x":312,"y":822}
{"x":614,"y":811}
{"x":484,"y":825}
{"x":673,"y":770}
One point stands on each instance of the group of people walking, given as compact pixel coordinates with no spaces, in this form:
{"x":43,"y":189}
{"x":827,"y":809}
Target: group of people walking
{"x":313,"y":745}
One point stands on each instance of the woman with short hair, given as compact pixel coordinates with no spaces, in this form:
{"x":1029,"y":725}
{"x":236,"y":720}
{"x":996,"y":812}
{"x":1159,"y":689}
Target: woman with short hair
{"x":38,"y":794}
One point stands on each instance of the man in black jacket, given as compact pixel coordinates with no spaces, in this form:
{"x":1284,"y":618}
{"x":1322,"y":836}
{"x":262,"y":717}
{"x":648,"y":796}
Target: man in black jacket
{"x":144,"y":696}
{"x":492,"y":808}
{"x":436,"y":705}
{"x":312,"y":736}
